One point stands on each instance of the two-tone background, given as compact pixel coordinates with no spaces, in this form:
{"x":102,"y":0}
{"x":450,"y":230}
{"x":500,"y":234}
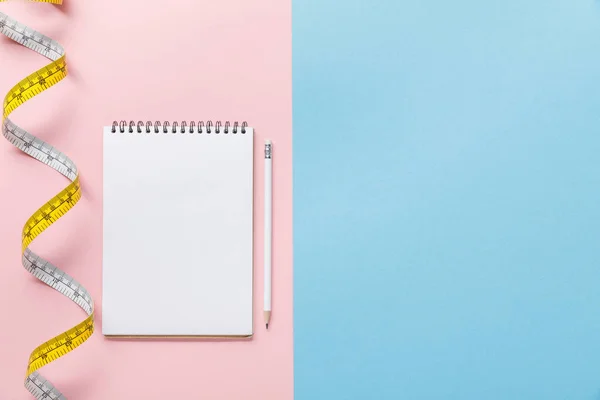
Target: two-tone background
{"x":445,"y":194}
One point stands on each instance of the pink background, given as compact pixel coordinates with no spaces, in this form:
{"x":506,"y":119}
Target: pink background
{"x":134,"y":59}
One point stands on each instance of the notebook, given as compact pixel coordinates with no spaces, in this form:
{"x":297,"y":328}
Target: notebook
{"x":177,"y":254}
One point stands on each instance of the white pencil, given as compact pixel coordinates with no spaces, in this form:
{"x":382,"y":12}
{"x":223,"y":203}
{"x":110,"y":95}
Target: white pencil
{"x":268,"y":228}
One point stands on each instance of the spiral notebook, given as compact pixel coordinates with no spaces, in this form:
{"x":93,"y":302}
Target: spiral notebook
{"x":177,"y":255}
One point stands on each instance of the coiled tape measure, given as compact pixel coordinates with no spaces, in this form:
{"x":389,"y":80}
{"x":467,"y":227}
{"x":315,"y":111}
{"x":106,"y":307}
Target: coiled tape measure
{"x":55,"y":208}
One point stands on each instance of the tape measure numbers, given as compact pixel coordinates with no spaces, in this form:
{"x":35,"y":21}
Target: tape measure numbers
{"x":55,"y":208}
{"x":34,"y":84}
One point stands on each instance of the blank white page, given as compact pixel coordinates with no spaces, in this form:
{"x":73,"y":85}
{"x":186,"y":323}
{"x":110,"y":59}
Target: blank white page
{"x":177,"y":256}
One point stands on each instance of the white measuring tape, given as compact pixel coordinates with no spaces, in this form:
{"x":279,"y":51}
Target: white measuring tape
{"x":53,"y":209}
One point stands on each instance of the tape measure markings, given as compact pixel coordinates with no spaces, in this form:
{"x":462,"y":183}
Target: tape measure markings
{"x":60,"y":345}
{"x":24,"y":36}
{"x":50,"y":213}
{"x":53,"y":209}
{"x":57,"y":279}
{"x":22,"y":92}
{"x":32,"y":146}
{"x":36,"y":383}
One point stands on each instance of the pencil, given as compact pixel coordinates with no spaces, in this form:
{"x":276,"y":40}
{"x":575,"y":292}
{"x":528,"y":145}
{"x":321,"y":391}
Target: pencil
{"x":268,"y":229}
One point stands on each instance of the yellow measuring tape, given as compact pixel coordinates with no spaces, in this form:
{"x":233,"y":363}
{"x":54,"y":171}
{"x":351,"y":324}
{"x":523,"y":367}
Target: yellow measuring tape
{"x":50,"y":212}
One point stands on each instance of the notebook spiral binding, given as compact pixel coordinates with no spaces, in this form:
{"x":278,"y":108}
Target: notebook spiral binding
{"x":175,"y":127}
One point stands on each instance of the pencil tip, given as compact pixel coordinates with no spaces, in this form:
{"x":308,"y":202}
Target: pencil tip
{"x":267,"y":326}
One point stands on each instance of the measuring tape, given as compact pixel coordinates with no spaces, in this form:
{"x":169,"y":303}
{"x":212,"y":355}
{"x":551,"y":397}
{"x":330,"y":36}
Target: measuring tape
{"x":50,"y":212}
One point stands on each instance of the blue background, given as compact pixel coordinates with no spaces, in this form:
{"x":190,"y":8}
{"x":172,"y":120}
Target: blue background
{"x":447,"y":199}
